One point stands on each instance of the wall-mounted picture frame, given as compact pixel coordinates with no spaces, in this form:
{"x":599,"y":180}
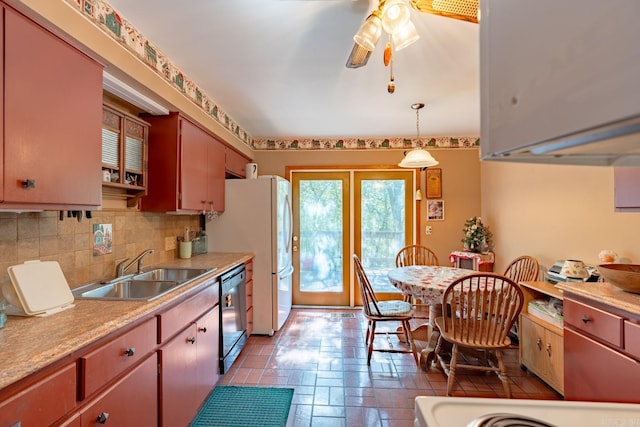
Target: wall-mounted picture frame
{"x":435,"y":210}
{"x":434,"y":183}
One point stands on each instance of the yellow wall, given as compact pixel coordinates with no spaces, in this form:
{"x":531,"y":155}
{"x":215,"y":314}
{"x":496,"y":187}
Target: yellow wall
{"x":460,"y":185}
{"x":555,"y":212}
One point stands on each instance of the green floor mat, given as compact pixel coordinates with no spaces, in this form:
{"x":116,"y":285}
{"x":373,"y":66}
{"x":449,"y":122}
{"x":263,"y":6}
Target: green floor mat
{"x":235,"y":406}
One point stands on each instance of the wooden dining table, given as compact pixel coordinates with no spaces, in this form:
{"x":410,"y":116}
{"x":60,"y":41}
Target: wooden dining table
{"x":425,"y":284}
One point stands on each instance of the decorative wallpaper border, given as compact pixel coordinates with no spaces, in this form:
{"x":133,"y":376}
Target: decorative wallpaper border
{"x":362,"y":143}
{"x":105,"y":17}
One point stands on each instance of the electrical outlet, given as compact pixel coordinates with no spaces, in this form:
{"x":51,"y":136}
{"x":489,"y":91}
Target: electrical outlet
{"x":428,"y":229}
{"x":170,"y":243}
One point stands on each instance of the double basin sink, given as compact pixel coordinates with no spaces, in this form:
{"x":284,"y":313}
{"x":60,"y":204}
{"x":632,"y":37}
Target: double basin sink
{"x":145,"y":286}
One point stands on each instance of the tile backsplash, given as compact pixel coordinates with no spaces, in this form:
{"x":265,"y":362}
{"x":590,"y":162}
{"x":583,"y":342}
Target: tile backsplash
{"x":43,"y":236}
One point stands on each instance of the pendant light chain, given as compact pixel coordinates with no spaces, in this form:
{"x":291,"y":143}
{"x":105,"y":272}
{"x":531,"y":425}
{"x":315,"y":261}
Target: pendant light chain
{"x":418,"y":106}
{"x":418,"y":127}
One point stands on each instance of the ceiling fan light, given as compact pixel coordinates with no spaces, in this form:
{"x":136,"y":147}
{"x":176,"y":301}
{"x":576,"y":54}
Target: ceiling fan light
{"x":418,"y":158}
{"x":405,"y":36}
{"x":395,"y":14}
{"x":369,"y":33}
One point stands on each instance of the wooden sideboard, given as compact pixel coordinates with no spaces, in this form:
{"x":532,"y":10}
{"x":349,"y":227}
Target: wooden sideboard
{"x":541,"y":342}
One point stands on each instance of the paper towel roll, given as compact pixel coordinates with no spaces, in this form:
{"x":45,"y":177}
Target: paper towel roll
{"x":251,"y":170}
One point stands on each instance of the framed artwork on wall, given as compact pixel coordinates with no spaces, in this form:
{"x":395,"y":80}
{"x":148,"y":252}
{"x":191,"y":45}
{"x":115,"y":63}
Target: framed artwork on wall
{"x":435,"y":210}
{"x":434,"y":183}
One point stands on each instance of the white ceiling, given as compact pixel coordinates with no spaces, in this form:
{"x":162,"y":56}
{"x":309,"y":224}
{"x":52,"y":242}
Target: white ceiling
{"x":277,"y":67}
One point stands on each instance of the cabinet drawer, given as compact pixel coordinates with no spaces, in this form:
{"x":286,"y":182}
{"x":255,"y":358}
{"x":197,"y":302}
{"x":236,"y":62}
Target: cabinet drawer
{"x":595,"y":322}
{"x":103,"y":364}
{"x":176,"y":318}
{"x":130,"y":402}
{"x":249,"y":292}
{"x":632,"y":338}
{"x":250,"y":321}
{"x":42,"y":403}
{"x":249,"y":271}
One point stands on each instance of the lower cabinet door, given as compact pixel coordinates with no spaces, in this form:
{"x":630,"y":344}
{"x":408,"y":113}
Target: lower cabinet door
{"x":178,"y":377}
{"x":42,"y":403}
{"x":208,"y":352}
{"x":532,"y":346}
{"x":595,"y":372}
{"x":131,"y":402}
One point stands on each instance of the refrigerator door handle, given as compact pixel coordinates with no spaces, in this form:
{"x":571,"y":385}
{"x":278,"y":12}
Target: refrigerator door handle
{"x":289,"y":222}
{"x":286,"y":272}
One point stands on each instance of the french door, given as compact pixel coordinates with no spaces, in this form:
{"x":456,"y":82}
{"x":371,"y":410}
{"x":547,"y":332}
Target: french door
{"x":338,"y":213}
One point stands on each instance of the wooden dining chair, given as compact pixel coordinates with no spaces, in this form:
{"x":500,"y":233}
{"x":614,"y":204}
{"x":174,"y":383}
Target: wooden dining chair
{"x":416,"y":255}
{"x":523,"y":268}
{"x":383,"y":311}
{"x":478,"y":312}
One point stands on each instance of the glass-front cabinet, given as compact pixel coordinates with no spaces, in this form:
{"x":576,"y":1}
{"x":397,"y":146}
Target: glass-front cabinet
{"x":124,"y":155}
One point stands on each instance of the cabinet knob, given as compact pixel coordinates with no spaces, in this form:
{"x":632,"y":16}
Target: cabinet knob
{"x":102,"y":418}
{"x":130,"y":351}
{"x":549,"y":349}
{"x":191,"y":340}
{"x":29,"y":183}
{"x":203,"y":330}
{"x":586,"y":319}
{"x":539,"y":343}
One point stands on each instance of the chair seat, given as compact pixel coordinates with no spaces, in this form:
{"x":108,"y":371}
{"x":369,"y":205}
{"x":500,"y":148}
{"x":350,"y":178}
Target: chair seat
{"x":459,"y":338}
{"x":392,"y":308}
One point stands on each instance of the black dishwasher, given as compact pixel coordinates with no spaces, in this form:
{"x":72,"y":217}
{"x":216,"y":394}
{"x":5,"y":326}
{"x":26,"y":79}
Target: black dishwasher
{"x":233,"y":316}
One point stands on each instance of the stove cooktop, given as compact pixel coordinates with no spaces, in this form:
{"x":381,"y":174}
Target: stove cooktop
{"x":433,"y":411}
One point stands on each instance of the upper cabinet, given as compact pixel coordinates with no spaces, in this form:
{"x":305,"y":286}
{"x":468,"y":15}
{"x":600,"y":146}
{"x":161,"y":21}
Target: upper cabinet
{"x":626,"y":191}
{"x":186,"y":167}
{"x":51,"y":123}
{"x":557,"y":81}
{"x":124,"y":155}
{"x":235,"y":164}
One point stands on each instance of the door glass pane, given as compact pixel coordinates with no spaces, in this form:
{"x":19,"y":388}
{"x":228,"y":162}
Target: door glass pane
{"x":321,"y":236}
{"x":383,"y":228}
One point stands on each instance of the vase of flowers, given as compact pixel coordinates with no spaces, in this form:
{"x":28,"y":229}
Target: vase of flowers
{"x":477,"y":236}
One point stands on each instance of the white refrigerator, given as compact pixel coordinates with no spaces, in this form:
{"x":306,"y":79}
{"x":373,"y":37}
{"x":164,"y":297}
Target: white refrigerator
{"x":257,"y":218}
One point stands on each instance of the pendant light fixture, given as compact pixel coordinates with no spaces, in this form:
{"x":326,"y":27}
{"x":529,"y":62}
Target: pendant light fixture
{"x":418,"y":158}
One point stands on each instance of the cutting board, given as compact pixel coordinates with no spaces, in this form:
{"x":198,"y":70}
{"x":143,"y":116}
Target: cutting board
{"x":38,"y":288}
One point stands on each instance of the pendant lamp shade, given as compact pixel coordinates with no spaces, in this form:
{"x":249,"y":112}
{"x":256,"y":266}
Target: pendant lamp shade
{"x":395,"y":14}
{"x":405,"y":36}
{"x":418,"y":158}
{"x":369,"y":33}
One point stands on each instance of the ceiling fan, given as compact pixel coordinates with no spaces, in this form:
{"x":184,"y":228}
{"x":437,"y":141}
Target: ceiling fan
{"x":465,"y":10}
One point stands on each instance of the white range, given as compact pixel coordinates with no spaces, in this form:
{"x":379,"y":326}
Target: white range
{"x":432,"y":411}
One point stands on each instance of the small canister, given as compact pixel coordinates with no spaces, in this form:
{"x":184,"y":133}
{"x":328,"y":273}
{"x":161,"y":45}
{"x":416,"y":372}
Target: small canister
{"x":251,"y":170}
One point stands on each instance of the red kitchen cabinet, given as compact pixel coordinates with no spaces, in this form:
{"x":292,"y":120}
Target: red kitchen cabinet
{"x":186,"y":167}
{"x":101,"y":365}
{"x":249,"y":296}
{"x":189,"y":338}
{"x":52,"y":120}
{"x":208,"y":352}
{"x":235,"y":163}
{"x":179,"y":362}
{"x":130,"y":402}
{"x":43,"y":402}
{"x":601,"y":362}
{"x":626,"y":189}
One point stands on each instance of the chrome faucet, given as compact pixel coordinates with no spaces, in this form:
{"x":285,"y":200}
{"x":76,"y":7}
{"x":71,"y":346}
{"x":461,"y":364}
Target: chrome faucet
{"x":121,"y":267}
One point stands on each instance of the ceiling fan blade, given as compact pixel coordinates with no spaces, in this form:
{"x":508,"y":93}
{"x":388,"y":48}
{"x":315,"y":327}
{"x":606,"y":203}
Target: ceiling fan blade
{"x":465,"y":10}
{"x":358,"y":57}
